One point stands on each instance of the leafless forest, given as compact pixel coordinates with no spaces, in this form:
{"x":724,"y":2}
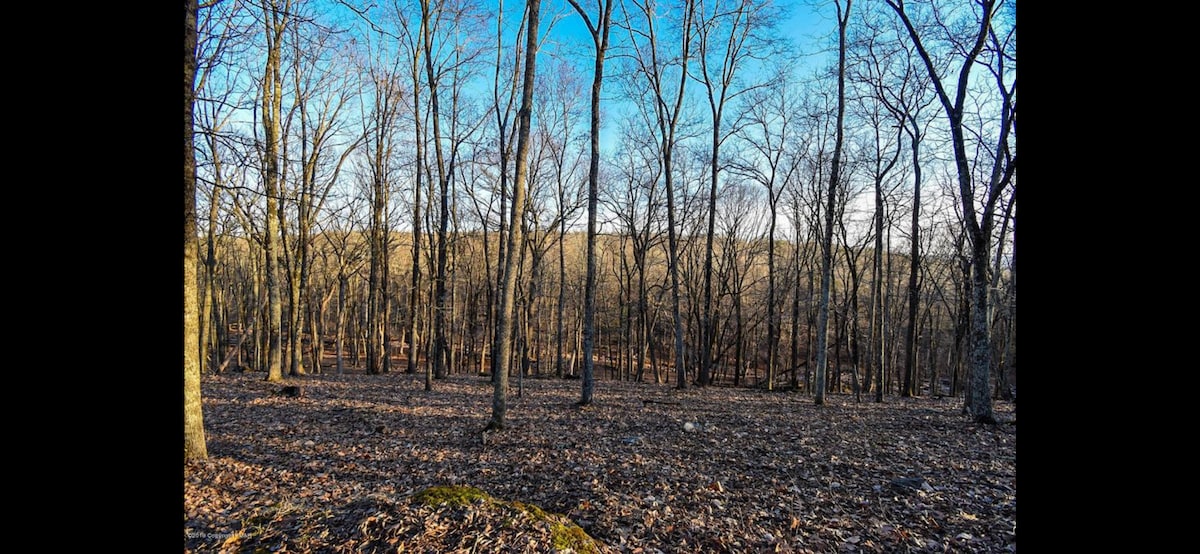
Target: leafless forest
{"x":721,"y":201}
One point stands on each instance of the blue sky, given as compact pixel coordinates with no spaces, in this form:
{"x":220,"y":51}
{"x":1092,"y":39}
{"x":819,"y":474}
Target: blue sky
{"x":807,"y":23}
{"x":808,"y":20}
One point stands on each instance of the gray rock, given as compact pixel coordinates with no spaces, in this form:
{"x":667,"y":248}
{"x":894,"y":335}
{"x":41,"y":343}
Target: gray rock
{"x":911,"y":484}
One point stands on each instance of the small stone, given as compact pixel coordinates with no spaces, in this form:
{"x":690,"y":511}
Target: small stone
{"x":911,"y":483}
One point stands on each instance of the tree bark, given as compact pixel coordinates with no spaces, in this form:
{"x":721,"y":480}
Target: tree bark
{"x":831,"y":203}
{"x":276,"y":21}
{"x":914,"y":291}
{"x":516,"y":222}
{"x":978,"y":225}
{"x":414,"y":293}
{"x":340,"y":332}
{"x":667,"y":119}
{"x":600,"y":43}
{"x":194,"y":445}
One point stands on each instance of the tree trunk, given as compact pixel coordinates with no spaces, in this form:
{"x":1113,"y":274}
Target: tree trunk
{"x":516,"y":222}
{"x":914,"y":296}
{"x":210,"y":351}
{"x":315,"y":342}
{"x":827,"y":239}
{"x":194,"y":445}
{"x":440,"y":353}
{"x":977,"y":226}
{"x":561,"y":306}
{"x":414,"y":292}
{"x":296,"y":315}
{"x":795,"y":334}
{"x":708,"y":324}
{"x":600,"y":43}
{"x":340,"y":331}
{"x":276,"y":20}
{"x":878,"y":334}
{"x":378,"y":298}
{"x":375,"y":303}
{"x":772,"y":309}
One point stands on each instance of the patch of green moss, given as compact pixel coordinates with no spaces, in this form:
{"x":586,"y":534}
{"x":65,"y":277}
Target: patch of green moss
{"x":563,"y":532}
{"x":451,"y":494}
{"x":572,"y":536}
{"x":537,"y":513}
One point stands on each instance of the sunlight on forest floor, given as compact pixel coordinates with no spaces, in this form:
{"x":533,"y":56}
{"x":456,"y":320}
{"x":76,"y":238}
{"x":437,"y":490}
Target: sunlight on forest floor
{"x":646,"y":468}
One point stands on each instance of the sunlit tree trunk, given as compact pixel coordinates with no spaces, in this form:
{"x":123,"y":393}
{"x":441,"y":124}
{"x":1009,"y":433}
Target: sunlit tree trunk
{"x":560,"y":308}
{"x":210,"y":320}
{"x":194,"y":445}
{"x":599,"y":32}
{"x":795,"y":334}
{"x":505,"y":136}
{"x":508,"y":293}
{"x":438,"y":356}
{"x":831,"y":203}
{"x":277,"y":15}
{"x":414,"y":293}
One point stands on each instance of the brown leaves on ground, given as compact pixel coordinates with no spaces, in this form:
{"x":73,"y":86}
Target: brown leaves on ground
{"x":646,"y":469}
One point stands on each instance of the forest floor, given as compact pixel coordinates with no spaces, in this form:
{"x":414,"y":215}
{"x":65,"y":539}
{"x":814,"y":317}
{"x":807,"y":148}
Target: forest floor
{"x":646,"y":468}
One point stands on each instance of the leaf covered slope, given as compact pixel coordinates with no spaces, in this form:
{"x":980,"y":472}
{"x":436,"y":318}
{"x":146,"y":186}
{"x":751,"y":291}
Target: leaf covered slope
{"x":348,"y":466}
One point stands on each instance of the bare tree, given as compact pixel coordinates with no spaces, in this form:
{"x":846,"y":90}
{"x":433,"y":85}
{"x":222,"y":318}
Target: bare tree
{"x":504,"y":96}
{"x":558,"y":184}
{"x":438,"y":357}
{"x":599,"y":31}
{"x":194,"y":445}
{"x":1000,"y":58}
{"x":550,"y":201}
{"x":979,"y":216}
{"x":843,"y":17}
{"x":508,"y":294}
{"x":277,"y":15}
{"x":896,"y":94}
{"x":321,"y":92}
{"x":772,"y":136}
{"x":904,"y":91}
{"x":446,"y":69}
{"x":809,"y":203}
{"x":342,"y":241}
{"x":219,"y":156}
{"x":636,"y":205}
{"x":385,"y":101}
{"x":730,"y":34}
{"x":415,"y":45}
{"x":649,"y":63}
